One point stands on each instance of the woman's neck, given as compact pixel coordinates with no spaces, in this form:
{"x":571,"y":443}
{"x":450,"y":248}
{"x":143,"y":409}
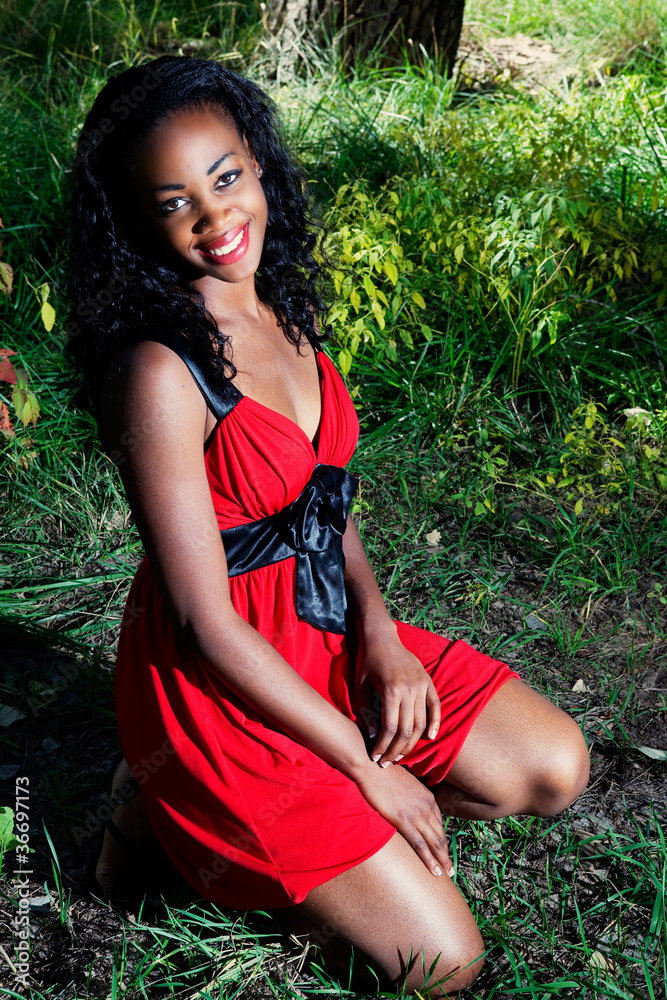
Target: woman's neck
{"x":231,"y":301}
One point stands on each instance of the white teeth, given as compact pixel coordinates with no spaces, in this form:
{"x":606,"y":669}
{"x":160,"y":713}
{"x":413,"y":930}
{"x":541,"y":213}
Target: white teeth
{"x":223,"y":251}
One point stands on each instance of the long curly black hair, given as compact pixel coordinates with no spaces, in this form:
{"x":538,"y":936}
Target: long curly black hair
{"x":117,"y":287}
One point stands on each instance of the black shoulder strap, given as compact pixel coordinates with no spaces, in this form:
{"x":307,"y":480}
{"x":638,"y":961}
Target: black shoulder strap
{"x":220,"y":400}
{"x":314,"y":343}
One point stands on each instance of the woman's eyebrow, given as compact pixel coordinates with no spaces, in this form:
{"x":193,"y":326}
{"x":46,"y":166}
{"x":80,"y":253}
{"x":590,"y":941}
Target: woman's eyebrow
{"x":179,"y":187}
{"x":217,"y":163}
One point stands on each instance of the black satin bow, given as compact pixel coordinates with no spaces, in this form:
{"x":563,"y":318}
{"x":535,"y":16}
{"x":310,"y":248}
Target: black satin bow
{"x":310,"y":529}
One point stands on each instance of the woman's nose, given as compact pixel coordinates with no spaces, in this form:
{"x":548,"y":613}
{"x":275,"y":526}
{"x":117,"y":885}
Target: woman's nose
{"x":212,"y":216}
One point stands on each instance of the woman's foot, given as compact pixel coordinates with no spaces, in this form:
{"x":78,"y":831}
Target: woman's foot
{"x":131,"y":822}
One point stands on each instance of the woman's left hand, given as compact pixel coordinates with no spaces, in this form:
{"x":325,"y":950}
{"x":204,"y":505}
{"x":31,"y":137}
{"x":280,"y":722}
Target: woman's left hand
{"x":409,"y":707}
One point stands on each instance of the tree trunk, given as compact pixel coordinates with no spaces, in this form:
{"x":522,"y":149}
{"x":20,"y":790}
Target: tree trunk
{"x":358,"y":25}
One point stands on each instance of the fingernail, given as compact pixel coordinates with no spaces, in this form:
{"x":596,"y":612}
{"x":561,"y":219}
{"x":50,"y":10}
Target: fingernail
{"x":400,"y":757}
{"x":437,"y":870}
{"x":432,"y":735}
{"x":451,"y":872}
{"x":385,"y":763}
{"x":376,"y":758}
{"x":372,"y":732}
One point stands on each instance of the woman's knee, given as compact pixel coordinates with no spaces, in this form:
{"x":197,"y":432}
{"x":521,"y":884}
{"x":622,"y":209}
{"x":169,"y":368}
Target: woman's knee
{"x":443,"y":938}
{"x":450,"y":975}
{"x":563,"y":774}
{"x":392,"y":911}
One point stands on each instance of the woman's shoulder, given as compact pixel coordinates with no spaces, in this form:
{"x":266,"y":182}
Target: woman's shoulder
{"x":146,"y":386}
{"x":145,"y":366}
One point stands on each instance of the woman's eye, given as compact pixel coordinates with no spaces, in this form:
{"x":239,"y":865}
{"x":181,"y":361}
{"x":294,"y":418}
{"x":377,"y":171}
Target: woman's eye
{"x":171,"y":205}
{"x":224,"y":180}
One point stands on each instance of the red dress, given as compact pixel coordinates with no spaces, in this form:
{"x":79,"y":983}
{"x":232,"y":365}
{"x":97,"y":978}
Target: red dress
{"x":251,"y":818}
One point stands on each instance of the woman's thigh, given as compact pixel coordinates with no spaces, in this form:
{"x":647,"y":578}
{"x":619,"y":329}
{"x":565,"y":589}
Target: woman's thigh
{"x":392,"y":910}
{"x":522,"y":755}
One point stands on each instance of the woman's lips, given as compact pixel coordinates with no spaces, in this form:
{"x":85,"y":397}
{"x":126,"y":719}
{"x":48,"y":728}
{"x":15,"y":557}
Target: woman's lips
{"x":226,"y":250}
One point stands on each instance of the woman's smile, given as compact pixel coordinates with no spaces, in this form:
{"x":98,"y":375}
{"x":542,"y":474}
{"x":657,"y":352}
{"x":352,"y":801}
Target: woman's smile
{"x":197,"y":184}
{"x":229,"y":248}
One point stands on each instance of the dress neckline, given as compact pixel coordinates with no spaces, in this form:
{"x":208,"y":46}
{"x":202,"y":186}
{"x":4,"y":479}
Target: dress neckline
{"x":314,"y":444}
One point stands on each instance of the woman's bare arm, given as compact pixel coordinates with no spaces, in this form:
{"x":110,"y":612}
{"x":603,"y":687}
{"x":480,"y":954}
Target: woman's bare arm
{"x":386,"y":672}
{"x":154,"y":418}
{"x":372,"y":619}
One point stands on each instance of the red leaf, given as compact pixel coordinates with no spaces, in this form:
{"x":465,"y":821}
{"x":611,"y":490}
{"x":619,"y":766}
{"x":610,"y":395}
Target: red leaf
{"x":6,"y":426}
{"x":7,"y":370}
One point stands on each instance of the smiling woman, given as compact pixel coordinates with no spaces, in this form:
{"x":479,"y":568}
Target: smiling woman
{"x":263,"y":669}
{"x":219,"y":213}
{"x":114,"y":240}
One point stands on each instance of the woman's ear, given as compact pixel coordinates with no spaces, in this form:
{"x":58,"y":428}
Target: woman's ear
{"x":253,"y":158}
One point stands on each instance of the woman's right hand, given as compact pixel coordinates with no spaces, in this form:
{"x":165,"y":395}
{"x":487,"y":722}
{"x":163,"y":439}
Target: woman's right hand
{"x":411,"y":808}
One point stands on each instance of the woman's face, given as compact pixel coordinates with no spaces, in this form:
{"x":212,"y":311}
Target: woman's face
{"x":197,"y":185}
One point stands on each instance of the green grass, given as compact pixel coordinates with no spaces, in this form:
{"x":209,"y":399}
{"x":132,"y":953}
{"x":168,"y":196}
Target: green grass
{"x":551,"y":550}
{"x":591,"y":32}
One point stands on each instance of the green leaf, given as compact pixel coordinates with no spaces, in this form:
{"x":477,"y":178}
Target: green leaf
{"x":370,"y":287}
{"x":7,"y":839}
{"x":578,"y":507}
{"x":480,"y":508}
{"x":345,"y":361}
{"x":653,"y":753}
{"x":6,"y":277}
{"x":458,"y":252}
{"x":536,"y":336}
{"x":403,"y":483}
{"x":391,"y":271}
{"x":48,"y":316}
{"x":418,"y":299}
{"x":378,"y":312}
{"x":355,"y":299}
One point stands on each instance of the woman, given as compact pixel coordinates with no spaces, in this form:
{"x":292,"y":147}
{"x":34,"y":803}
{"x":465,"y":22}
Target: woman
{"x":292,"y":744}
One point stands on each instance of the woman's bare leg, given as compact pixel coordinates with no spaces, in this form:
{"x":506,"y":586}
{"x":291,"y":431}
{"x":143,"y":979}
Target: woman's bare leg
{"x":132,"y":822}
{"x":522,"y":755}
{"x":400,"y":917}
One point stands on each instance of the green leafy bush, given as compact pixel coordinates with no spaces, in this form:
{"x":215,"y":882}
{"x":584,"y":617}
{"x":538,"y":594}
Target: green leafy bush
{"x":528,"y":235}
